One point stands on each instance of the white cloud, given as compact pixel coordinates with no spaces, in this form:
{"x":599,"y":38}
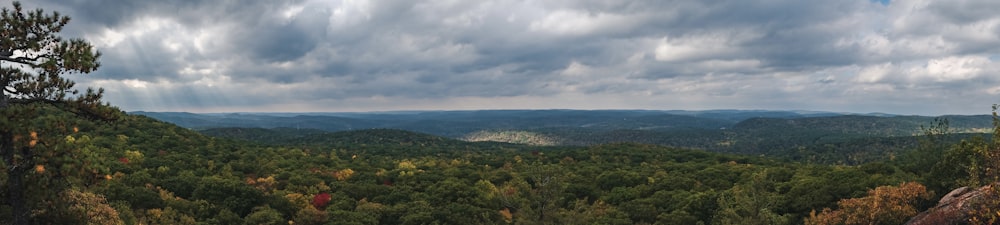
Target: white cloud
{"x":351,"y":12}
{"x":875,"y":73}
{"x":577,"y":69}
{"x":955,"y":68}
{"x":692,"y":48}
{"x":573,"y":22}
{"x":135,"y":83}
{"x":724,"y":44}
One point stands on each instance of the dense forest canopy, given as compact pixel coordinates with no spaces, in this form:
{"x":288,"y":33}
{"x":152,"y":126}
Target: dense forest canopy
{"x":158,"y":173}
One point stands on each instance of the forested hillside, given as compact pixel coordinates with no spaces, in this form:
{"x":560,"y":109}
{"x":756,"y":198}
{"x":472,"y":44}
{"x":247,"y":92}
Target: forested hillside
{"x":826,"y":138}
{"x":151,"y":172}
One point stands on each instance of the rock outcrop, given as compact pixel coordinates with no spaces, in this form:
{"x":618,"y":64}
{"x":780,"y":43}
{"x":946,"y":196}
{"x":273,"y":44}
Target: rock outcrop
{"x":953,"y":208}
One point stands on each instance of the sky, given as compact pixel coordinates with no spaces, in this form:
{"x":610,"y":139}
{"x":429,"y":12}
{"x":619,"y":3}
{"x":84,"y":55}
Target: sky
{"x":901,"y":56}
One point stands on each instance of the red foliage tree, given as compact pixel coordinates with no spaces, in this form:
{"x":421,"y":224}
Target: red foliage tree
{"x":321,"y":200}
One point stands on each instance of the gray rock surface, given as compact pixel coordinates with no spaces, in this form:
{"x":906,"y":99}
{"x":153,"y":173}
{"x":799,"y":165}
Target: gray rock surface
{"x":953,"y":208}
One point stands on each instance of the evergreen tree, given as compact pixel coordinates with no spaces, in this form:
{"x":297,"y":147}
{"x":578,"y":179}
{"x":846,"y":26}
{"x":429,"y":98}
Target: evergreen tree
{"x":37,"y":102}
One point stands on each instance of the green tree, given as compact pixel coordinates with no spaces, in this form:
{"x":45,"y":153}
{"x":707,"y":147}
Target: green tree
{"x":311,"y":216}
{"x":547,"y":188}
{"x":931,"y":148}
{"x":955,"y":167}
{"x":231,"y":194}
{"x":750,"y":203}
{"x":33,"y":59}
{"x":264,"y":215}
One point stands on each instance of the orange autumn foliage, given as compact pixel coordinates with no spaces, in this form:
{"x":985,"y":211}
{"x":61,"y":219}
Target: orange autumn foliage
{"x":34,"y":139}
{"x":507,"y":216}
{"x":884,"y":205}
{"x":265,"y":184}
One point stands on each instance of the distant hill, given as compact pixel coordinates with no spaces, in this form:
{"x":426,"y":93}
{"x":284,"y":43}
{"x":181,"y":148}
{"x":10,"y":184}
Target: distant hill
{"x":291,"y":136}
{"x":817,"y":136}
{"x":867,"y":125}
{"x":264,"y":135}
{"x":460,"y":123}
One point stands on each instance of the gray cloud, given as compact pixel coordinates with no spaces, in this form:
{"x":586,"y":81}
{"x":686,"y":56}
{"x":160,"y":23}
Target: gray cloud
{"x":262,"y":55}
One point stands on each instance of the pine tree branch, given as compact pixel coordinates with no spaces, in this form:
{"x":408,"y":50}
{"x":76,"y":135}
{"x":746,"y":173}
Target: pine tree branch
{"x":21,"y":60}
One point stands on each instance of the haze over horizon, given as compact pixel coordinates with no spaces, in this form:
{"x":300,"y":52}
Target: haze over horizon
{"x":910,"y":57}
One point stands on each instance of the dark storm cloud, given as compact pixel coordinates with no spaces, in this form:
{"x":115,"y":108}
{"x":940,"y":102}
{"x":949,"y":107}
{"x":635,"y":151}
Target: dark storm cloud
{"x":282,"y":42}
{"x":711,"y":54}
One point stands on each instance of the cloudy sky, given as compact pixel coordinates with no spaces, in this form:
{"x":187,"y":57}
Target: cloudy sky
{"x":899,"y":56}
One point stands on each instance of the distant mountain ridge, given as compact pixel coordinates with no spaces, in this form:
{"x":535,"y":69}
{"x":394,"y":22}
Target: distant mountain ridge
{"x":479,"y":119}
{"x":819,"y":136}
{"x":456,"y":124}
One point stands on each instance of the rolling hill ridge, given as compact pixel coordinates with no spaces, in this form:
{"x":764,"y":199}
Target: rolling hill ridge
{"x":821,"y":137}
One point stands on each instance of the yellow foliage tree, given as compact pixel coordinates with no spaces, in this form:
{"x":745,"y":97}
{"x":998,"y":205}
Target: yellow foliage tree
{"x":165,"y":216}
{"x":406,"y":165}
{"x":343,"y":174}
{"x":91,"y":208}
{"x":299,"y":200}
{"x":264,"y":184}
